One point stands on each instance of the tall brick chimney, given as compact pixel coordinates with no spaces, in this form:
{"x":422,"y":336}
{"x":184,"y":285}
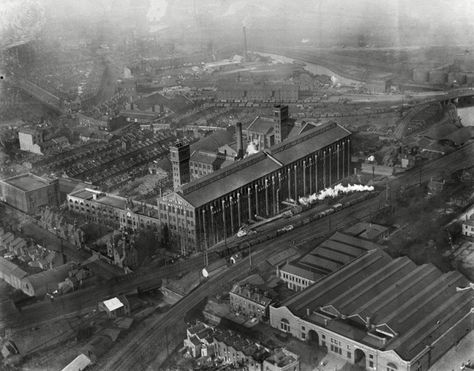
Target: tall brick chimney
{"x":240,"y":144}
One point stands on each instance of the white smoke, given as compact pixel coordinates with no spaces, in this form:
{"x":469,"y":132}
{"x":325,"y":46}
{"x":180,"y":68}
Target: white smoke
{"x":252,"y":148}
{"x":334,"y":192}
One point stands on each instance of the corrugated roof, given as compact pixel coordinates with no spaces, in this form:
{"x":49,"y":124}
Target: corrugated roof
{"x":417,"y":304}
{"x":329,"y":256}
{"x":9,"y":268}
{"x":241,"y":173}
{"x":46,"y":281}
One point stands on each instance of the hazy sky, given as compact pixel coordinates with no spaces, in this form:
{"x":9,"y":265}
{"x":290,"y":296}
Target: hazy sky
{"x":427,"y":20}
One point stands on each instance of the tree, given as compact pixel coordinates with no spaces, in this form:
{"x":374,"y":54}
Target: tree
{"x":165,"y":237}
{"x":147,"y":242}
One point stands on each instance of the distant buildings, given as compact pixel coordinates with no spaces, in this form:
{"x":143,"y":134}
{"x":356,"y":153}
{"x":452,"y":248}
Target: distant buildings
{"x":381,"y":313}
{"x":28,"y":192}
{"x":267,"y":92}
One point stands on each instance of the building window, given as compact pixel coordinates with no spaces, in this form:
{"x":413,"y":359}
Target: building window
{"x":371,"y":364}
{"x":285,"y":325}
{"x":349,"y":355}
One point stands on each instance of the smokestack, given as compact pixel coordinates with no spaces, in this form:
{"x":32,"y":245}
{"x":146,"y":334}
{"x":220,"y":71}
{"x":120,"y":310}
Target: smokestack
{"x":240,"y":146}
{"x":245,"y":43}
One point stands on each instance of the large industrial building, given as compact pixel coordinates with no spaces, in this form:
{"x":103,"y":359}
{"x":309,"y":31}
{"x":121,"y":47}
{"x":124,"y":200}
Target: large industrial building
{"x":28,"y":192}
{"x":381,"y":313}
{"x":335,"y":252}
{"x":212,"y":208}
{"x":204,"y":211}
{"x":113,"y":210}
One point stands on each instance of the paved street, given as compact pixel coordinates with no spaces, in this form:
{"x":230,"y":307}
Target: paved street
{"x":453,"y":359}
{"x":143,"y":344}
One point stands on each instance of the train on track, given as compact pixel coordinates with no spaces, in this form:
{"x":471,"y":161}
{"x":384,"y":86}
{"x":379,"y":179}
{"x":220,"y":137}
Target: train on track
{"x":243,"y":245}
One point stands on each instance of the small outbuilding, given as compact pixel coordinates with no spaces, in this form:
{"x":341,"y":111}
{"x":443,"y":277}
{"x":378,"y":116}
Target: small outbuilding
{"x":81,"y":362}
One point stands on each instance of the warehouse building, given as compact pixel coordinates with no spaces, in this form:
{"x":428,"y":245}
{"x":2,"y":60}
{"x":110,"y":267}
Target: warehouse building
{"x":11,"y":273}
{"x":113,"y":210}
{"x":324,"y":259}
{"x":207,"y":210}
{"x":29,"y":192}
{"x":47,"y":281}
{"x":270,"y":92}
{"x":381,"y":313}
{"x":214,"y":207}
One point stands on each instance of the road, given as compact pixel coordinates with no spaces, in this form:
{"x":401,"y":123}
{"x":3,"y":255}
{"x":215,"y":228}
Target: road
{"x":141,"y":344}
{"x":89,"y":297}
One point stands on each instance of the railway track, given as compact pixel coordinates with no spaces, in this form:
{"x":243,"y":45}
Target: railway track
{"x":142,"y":345}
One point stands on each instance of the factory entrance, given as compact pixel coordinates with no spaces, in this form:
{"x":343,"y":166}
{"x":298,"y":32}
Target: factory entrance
{"x":359,"y":358}
{"x":313,"y":338}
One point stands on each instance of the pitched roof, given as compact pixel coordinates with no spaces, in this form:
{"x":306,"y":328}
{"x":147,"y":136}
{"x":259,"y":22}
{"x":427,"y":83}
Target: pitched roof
{"x":262,"y":125}
{"x":329,"y":256}
{"x":212,"y":142}
{"x":241,"y":173}
{"x":203,"y":157}
{"x":412,"y":305}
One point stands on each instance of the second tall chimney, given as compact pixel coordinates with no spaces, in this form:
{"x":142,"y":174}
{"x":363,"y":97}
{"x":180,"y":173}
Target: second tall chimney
{"x":245,"y":43}
{"x":240,"y":144}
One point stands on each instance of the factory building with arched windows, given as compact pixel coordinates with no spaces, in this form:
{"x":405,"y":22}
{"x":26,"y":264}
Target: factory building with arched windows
{"x":207,"y":210}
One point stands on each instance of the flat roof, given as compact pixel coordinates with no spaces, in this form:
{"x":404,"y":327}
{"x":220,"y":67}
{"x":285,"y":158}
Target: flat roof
{"x":415,"y":304}
{"x":113,"y":304}
{"x":366,"y":230}
{"x":78,"y":364}
{"x":102,"y":198}
{"x":114,"y":201}
{"x":27,"y":182}
{"x":85,"y":194}
{"x":241,"y":173}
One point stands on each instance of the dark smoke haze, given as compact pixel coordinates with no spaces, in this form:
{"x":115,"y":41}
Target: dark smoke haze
{"x":321,"y":22}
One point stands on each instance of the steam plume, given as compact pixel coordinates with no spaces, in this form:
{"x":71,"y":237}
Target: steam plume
{"x":334,"y":192}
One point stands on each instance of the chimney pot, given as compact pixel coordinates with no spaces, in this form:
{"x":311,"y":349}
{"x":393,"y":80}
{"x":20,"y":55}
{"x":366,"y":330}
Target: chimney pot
{"x":240,"y":148}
